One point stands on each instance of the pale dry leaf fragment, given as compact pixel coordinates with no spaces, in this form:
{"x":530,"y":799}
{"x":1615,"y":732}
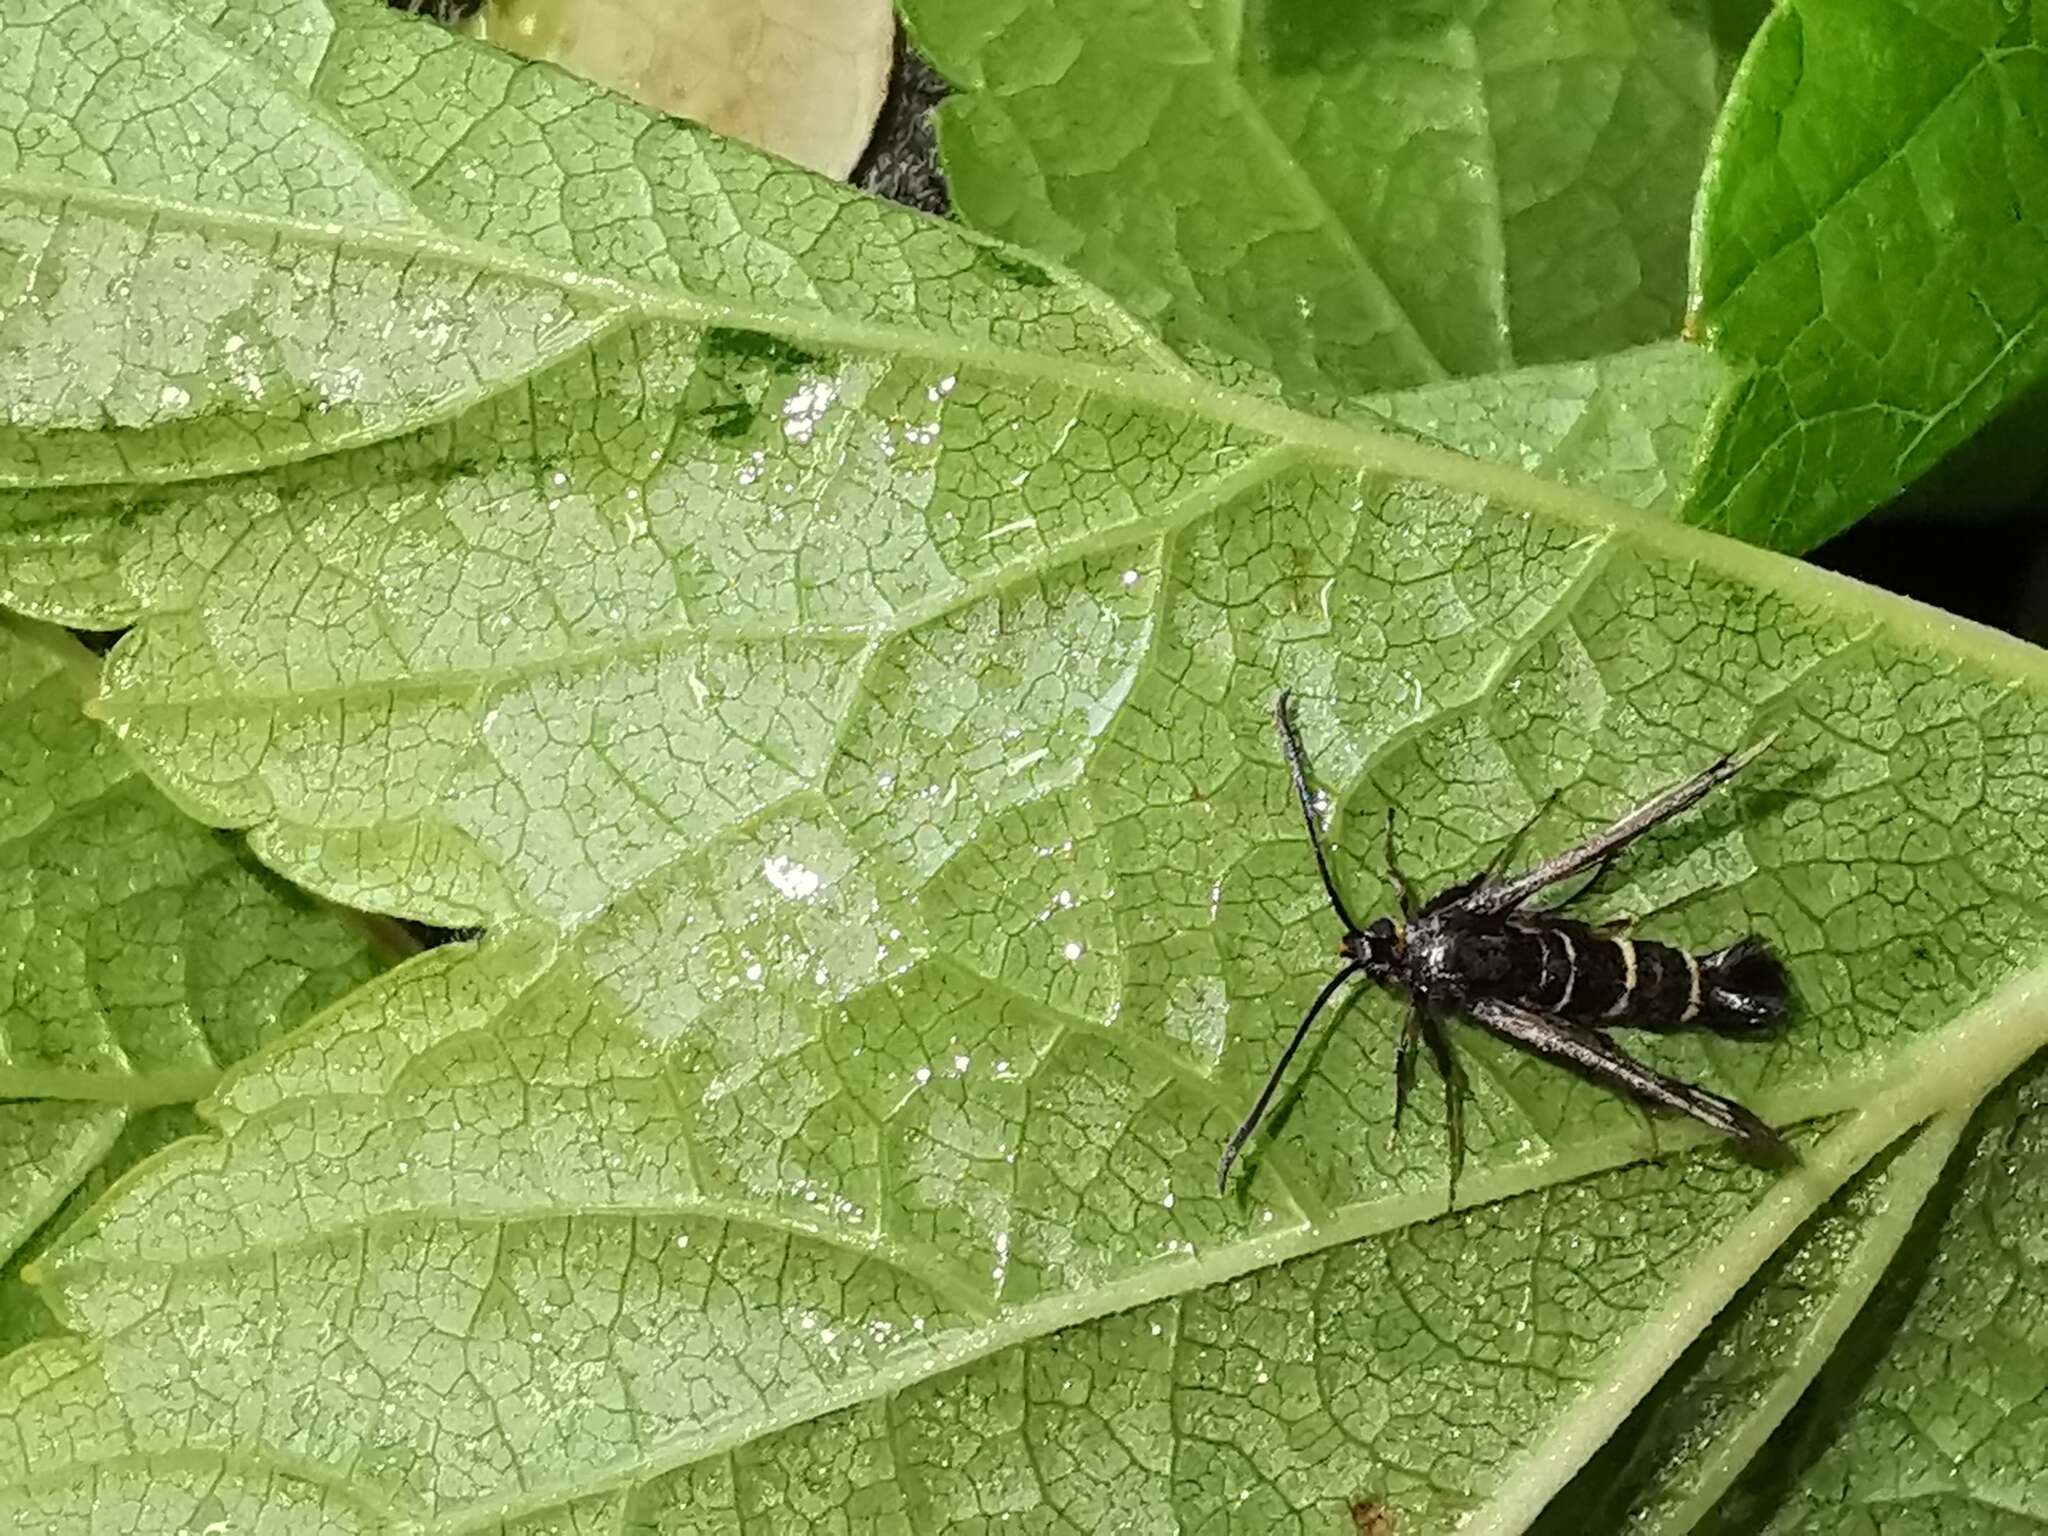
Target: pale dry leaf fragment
{"x":803,"y":79}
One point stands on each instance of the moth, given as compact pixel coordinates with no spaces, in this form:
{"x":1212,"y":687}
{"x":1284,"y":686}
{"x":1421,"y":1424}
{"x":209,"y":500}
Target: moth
{"x":1539,"y":980}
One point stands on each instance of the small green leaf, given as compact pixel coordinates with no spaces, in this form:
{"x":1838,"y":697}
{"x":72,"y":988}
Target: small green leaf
{"x":1624,"y":426}
{"x":1874,"y":245}
{"x":1349,"y":198}
{"x":105,"y":1142}
{"x":144,"y":952}
{"x":46,"y":1148}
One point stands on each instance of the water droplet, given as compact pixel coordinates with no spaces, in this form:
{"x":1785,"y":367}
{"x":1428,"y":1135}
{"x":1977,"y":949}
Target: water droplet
{"x":791,"y":878}
{"x":802,"y":411}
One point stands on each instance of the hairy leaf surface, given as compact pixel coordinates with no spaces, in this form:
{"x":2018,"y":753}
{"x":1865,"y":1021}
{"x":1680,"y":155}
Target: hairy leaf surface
{"x":832,"y":655}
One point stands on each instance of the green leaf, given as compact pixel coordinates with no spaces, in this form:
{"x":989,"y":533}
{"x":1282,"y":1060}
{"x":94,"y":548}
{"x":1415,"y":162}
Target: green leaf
{"x":1625,"y":426}
{"x":1348,"y":198}
{"x":1874,"y":245}
{"x":1929,"y":1418}
{"x":104,"y":1143}
{"x":832,"y":656}
{"x":46,"y":1148}
{"x":142,"y":953}
{"x":1709,"y":1415}
{"x":1297,"y":1387}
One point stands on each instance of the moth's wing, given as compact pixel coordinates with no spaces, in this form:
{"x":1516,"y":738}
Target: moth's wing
{"x":1599,"y":1060}
{"x":1505,"y":895}
{"x":1451,"y":896}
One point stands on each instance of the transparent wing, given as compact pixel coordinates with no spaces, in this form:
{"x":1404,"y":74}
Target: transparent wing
{"x":1496,"y":896}
{"x":1598,"y":1059}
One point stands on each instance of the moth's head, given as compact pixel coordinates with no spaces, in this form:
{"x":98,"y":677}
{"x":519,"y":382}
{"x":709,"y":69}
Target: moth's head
{"x":1376,"y":949}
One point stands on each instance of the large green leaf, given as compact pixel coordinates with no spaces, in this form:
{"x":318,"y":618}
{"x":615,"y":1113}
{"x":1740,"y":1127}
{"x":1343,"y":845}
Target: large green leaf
{"x":1346,"y":197}
{"x":1874,"y":245}
{"x":832,"y":656}
{"x":549,"y":1289}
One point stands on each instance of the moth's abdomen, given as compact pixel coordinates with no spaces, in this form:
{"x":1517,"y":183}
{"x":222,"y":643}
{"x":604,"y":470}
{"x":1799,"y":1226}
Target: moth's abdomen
{"x":1613,"y":981}
{"x":1743,"y":988}
{"x":1739,"y":990}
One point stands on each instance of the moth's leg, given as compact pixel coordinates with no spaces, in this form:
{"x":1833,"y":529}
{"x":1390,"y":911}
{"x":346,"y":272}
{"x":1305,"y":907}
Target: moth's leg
{"x":1250,"y":1122}
{"x":1588,"y":888}
{"x":1649,"y":1127}
{"x":1454,"y":1096}
{"x":1598,"y":1059}
{"x":1508,"y":894}
{"x":1403,"y":891}
{"x":1404,"y":1068}
{"x":1506,"y":851}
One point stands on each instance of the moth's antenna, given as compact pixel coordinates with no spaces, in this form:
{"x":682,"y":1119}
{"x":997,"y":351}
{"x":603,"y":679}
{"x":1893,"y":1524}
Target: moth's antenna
{"x":1291,"y":745}
{"x":1243,"y":1133}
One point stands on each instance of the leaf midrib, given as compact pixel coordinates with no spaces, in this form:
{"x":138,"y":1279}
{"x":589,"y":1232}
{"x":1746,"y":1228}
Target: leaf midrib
{"x":1710,"y":1282}
{"x":1296,"y":178}
{"x":129,"y":1087}
{"x":1909,"y":1181}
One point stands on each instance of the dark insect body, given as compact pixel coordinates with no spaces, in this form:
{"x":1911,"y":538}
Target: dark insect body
{"x":1545,"y":983}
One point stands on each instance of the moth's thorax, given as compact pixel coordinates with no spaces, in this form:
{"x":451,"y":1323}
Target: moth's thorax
{"x":1432,"y":957}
